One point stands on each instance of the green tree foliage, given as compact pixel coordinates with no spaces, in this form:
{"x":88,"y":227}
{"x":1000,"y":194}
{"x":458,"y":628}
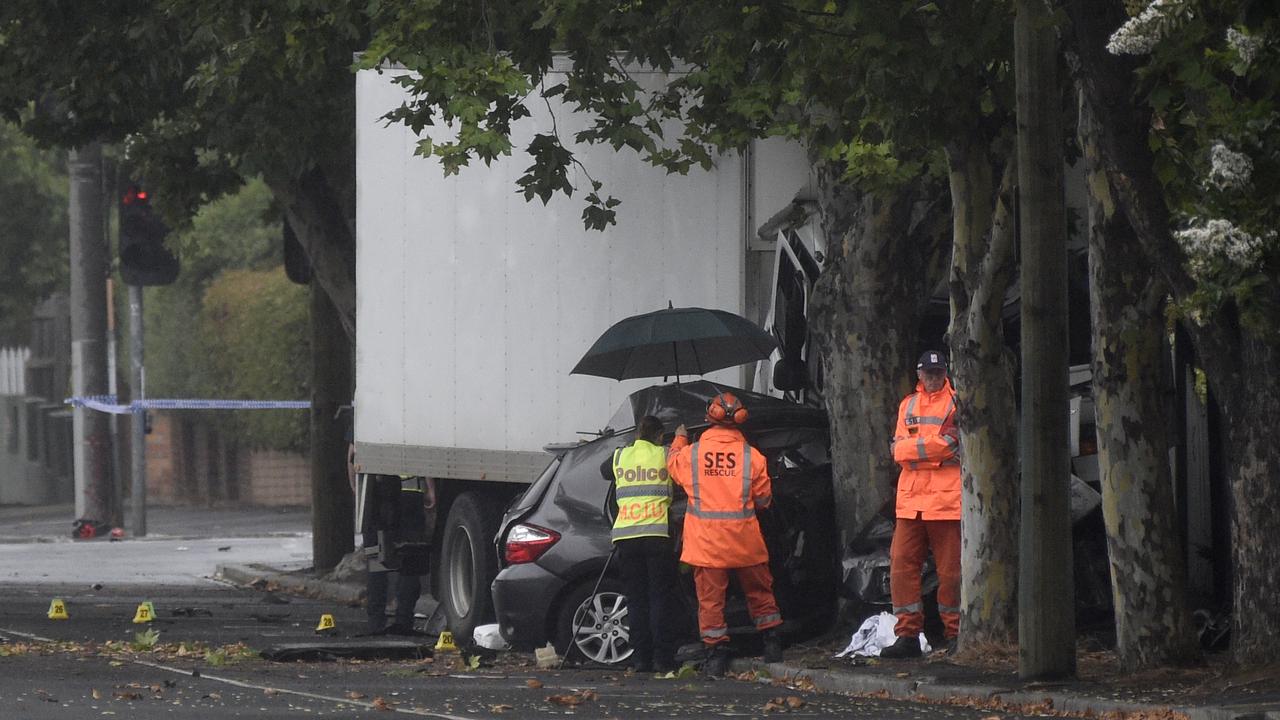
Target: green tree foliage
{"x":232,"y":326}
{"x":253,"y":328}
{"x":205,"y":95}
{"x":1210,"y":79}
{"x":880,"y":87}
{"x":33,"y":229}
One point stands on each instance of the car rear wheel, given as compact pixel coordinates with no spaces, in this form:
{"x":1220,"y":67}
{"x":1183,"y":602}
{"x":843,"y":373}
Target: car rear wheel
{"x":594,"y":627}
{"x":467,"y":565}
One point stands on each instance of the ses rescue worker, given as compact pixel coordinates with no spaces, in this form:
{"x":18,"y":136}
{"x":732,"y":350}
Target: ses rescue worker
{"x":927,"y":446}
{"x":646,"y":556}
{"x":726,"y":480}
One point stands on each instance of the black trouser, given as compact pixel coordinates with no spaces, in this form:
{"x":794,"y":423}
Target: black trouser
{"x":648,"y":568}
{"x":408,"y":588}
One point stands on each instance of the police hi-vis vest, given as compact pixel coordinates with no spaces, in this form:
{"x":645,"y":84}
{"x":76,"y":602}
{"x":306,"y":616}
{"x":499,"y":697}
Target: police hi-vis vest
{"x":644,"y":491}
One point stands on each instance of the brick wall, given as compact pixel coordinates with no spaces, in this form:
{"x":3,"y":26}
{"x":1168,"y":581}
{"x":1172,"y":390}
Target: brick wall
{"x":164,"y":455}
{"x":188,"y":464}
{"x":276,"y":478}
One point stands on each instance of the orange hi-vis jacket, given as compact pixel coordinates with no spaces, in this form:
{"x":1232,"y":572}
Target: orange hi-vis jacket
{"x":927,"y":446}
{"x":726,"y":480}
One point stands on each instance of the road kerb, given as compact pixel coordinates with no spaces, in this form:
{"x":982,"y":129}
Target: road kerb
{"x":915,"y":689}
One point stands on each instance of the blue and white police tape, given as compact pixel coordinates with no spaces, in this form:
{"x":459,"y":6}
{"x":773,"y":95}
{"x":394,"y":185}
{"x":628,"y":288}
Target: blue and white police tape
{"x":109,"y":404}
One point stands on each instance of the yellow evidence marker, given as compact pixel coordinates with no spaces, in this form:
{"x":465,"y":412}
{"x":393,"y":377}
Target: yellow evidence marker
{"x":326,"y":623}
{"x":445,"y":642}
{"x":58,"y":610}
{"x":145,"y":613}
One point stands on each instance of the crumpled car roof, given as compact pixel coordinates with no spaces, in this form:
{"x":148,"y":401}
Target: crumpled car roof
{"x":686,"y":403}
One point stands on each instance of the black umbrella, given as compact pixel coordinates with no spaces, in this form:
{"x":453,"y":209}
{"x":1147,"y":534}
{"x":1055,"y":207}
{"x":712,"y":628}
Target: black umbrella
{"x":675,"y":342}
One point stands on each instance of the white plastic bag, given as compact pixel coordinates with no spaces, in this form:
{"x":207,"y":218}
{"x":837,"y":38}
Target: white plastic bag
{"x":875,"y":634}
{"x":487,"y":636}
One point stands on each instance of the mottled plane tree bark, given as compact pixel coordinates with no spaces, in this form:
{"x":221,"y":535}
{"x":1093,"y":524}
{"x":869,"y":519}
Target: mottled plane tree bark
{"x":982,"y":267}
{"x":888,"y":251}
{"x":1235,"y":327}
{"x":1148,"y":572}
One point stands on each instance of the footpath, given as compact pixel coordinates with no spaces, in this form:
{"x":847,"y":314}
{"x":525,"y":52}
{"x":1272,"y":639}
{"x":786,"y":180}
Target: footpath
{"x":980,"y":678}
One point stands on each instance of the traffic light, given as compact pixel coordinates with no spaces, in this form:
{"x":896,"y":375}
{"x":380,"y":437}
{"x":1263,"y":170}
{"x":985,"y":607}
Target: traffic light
{"x":144,"y":259}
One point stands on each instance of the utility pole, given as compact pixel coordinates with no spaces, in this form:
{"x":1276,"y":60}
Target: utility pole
{"x":1046,"y":593}
{"x":138,"y":421}
{"x":90,"y":429}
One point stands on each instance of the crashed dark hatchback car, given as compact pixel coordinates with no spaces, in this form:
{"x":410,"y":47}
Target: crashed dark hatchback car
{"x":554,"y":539}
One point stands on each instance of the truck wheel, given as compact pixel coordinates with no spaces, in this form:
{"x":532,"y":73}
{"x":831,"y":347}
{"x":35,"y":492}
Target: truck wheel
{"x":467,"y":565}
{"x":603,"y":635}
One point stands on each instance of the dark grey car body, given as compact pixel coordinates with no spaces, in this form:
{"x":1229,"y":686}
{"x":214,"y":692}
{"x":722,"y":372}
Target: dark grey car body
{"x":536,"y":601}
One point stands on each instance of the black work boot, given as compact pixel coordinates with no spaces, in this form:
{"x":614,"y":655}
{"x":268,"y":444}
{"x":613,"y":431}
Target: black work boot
{"x":772,"y":647}
{"x":903,"y":647}
{"x":640,"y":663}
{"x":717,"y":661}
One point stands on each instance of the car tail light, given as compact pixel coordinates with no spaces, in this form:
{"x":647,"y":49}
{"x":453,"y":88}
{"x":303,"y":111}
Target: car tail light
{"x":526,"y":543}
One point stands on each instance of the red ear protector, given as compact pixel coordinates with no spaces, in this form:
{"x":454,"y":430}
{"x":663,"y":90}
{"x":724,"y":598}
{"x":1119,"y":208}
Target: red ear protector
{"x":726,"y":409}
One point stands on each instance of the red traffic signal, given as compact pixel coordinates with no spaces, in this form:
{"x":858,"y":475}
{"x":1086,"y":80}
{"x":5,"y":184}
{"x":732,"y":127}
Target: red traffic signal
{"x":144,"y":258}
{"x":135,"y":196}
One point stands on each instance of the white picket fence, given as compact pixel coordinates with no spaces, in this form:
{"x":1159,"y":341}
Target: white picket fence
{"x":13,"y":370}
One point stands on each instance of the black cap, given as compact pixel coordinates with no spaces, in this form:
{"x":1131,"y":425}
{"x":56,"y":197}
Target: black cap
{"x":931,"y":360}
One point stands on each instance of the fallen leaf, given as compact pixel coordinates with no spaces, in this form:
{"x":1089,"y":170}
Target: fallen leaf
{"x":270,"y":692}
{"x":533,"y":683}
{"x":804,"y":683}
{"x":353,"y":695}
{"x":794,"y":702}
{"x":500,"y":708}
{"x":903,"y":674}
{"x":97,"y":694}
{"x":380,"y":704}
{"x":775,"y":705}
{"x":573,"y":699}
{"x":128,"y":695}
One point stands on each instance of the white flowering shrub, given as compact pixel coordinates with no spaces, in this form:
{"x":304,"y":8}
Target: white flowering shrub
{"x":1229,"y":170}
{"x":1246,"y":47}
{"x":1217,"y":248}
{"x":1207,"y":72}
{"x":1142,"y":33}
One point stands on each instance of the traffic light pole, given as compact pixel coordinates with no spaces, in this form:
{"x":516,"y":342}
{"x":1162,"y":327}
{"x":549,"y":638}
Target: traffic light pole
{"x":138,"y":426}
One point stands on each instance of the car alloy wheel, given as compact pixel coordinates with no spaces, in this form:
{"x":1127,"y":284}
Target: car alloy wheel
{"x":602,"y":634}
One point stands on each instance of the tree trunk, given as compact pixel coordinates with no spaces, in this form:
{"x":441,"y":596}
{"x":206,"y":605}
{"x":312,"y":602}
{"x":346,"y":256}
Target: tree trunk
{"x":1046,"y":594}
{"x":1148,"y":569}
{"x":332,"y":506}
{"x":320,"y":207}
{"x":982,"y":370}
{"x":1241,"y":368}
{"x":1254,"y":462}
{"x":865,"y":312}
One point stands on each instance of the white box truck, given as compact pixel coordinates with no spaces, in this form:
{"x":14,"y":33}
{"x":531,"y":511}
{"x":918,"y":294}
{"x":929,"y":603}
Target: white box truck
{"x":473,"y":305}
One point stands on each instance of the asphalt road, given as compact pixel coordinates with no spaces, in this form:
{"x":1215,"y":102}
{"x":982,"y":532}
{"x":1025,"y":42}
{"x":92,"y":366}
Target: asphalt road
{"x":204,"y":664}
{"x":201,"y":658}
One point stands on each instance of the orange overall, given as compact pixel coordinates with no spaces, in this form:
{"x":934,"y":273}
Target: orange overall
{"x":926,"y":445}
{"x":726,"y":480}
